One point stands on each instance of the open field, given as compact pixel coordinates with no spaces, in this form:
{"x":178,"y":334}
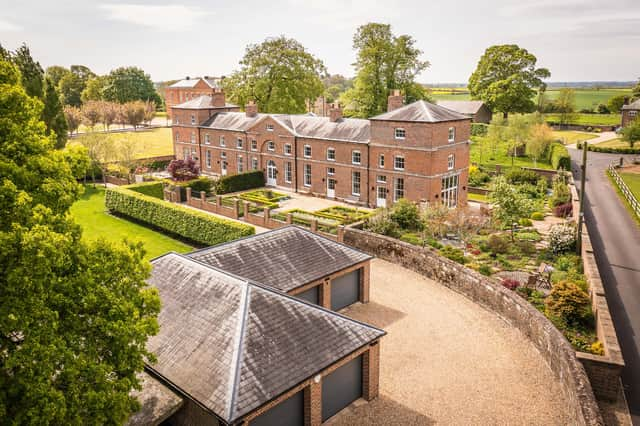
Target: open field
{"x":569,"y":137}
{"x":90,"y":213}
{"x":150,"y":143}
{"x":484,"y":154}
{"x":588,"y":119}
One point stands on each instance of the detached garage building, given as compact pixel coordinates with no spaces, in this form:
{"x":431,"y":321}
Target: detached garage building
{"x":298,"y":262}
{"x":242,"y":353}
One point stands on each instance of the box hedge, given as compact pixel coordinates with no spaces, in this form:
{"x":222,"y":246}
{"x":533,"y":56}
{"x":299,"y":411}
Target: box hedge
{"x":152,"y":189}
{"x":190,"y":224}
{"x":559,"y":156}
{"x":240,"y":182}
{"x":610,"y":150}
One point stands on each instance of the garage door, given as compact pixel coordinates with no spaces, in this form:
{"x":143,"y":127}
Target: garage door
{"x":345,"y":290}
{"x":341,"y":388}
{"x":310,"y":295}
{"x":289,"y":412}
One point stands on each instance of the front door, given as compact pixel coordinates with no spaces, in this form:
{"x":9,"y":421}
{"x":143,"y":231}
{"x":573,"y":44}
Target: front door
{"x":271,"y":173}
{"x":381,"y":197}
{"x":331,"y":188}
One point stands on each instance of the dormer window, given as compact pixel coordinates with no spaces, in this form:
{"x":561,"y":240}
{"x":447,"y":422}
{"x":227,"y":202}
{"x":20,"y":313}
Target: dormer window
{"x":452,"y":134}
{"x":269,"y":127}
{"x":399,"y":133}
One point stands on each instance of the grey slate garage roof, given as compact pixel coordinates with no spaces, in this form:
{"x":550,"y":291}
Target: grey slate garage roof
{"x":233,"y":345}
{"x":633,"y":105}
{"x":421,"y":111}
{"x":284,"y":258}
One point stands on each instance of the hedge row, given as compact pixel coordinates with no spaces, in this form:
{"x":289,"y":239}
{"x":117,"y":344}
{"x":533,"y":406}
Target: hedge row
{"x":610,"y":150}
{"x":479,"y":129}
{"x":559,"y":156}
{"x":152,"y":189}
{"x":240,"y":182}
{"x":191,"y":224}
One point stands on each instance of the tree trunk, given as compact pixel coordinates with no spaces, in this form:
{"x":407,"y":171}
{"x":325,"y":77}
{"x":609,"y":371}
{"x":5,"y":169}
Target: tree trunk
{"x":505,"y":115}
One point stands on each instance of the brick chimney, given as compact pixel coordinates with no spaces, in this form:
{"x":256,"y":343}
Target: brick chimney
{"x":626,"y":100}
{"x":218,"y":99}
{"x":395,"y":100}
{"x":335,"y":112}
{"x":251,"y":109}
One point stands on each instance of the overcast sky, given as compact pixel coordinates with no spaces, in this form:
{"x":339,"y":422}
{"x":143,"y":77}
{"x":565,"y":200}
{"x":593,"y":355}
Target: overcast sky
{"x":576,"y":39}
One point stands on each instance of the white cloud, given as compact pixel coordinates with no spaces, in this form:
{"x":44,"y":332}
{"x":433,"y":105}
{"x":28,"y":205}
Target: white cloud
{"x":172,"y":17}
{"x":6,"y":26}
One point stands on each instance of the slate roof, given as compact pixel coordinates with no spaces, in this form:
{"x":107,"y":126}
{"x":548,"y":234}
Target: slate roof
{"x":633,"y":105}
{"x":232,"y":121}
{"x":213,"y":82}
{"x":463,"y":107}
{"x":201,"y":102}
{"x":284,"y":258}
{"x":421,"y":111}
{"x":233,"y":345}
{"x":310,"y":126}
{"x":157,"y":402}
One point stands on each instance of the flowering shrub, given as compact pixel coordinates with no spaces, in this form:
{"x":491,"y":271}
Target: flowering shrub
{"x":563,"y":210}
{"x":562,"y":238}
{"x":510,"y":284}
{"x":183,"y":169}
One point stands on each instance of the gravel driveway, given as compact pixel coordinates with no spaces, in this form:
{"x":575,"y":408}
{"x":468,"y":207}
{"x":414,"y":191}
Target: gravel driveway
{"x":446,"y":360}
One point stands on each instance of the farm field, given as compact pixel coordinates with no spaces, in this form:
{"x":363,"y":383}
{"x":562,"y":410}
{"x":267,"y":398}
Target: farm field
{"x":150,"y":143}
{"x":90,"y":213}
{"x":588,"y":119}
{"x":569,"y":137}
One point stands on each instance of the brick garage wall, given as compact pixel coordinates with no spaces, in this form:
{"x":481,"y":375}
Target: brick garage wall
{"x":552,"y":345}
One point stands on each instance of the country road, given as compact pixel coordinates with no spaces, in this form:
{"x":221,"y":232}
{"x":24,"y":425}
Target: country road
{"x":615,"y":236}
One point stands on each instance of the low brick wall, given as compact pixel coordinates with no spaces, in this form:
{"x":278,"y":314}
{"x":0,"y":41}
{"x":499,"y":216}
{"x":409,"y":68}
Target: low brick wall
{"x":555,"y":349}
{"x":479,"y":191}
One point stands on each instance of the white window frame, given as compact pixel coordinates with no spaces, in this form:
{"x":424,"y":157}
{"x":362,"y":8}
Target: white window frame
{"x":208,"y":159}
{"x":399,"y":133}
{"x":307,"y":175}
{"x":331,"y":171}
{"x":354,"y":190}
{"x":240,"y":165}
{"x":222,"y":142}
{"x":381,"y":161}
{"x":287,"y":149}
{"x":304,"y":151}
{"x":239,"y":143}
{"x":396,"y":188}
{"x":287,"y":171}
{"x":269,"y":127}
{"x":451,"y":162}
{"x":271,"y":146}
{"x":449,"y":190}
{"x":395,"y":162}
{"x":381,"y":179}
{"x":207,"y":139}
{"x":254,"y":163}
{"x":353,"y":157}
{"x":451,"y":137}
{"x":333,"y":152}
{"x":254,"y":145}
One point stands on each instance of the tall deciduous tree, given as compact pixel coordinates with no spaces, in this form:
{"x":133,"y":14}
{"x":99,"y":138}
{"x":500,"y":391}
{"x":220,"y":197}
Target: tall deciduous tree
{"x":127,"y":84}
{"x":55,"y":73}
{"x":73,"y":116}
{"x":31,"y":72}
{"x":631,"y":133}
{"x":94,"y":89}
{"x":384,"y":62}
{"x":278,"y":74}
{"x":53,"y":114}
{"x":506,"y":79}
{"x":566,"y":105}
{"x":540,"y":138}
{"x":74,"y":316}
{"x":509,"y":205}
{"x":91,"y":113}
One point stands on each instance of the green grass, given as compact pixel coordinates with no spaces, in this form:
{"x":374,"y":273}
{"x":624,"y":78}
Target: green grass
{"x":483,"y":154}
{"x":622,"y":197}
{"x":588,"y":119}
{"x":90,"y":213}
{"x":613,"y":143}
{"x":150,"y":143}
{"x":568,"y":137}
{"x":633,"y":182}
{"x":478,"y":197}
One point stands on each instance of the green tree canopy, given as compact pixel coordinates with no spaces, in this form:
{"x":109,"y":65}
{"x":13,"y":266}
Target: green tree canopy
{"x":384,"y":62}
{"x":94,"y":89}
{"x":55,"y":73}
{"x":615,"y":103}
{"x":53,"y":114}
{"x":74,"y":316}
{"x":631,"y":133}
{"x":32,"y":75}
{"x":506,"y":79}
{"x":278,"y":74}
{"x":509,"y":205}
{"x":127,"y":84}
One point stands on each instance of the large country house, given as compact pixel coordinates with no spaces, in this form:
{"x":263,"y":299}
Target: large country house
{"x":418,"y":151}
{"x":191,"y":88}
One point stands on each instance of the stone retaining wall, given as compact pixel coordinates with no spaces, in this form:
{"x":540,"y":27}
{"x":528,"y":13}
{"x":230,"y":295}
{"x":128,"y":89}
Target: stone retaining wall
{"x":555,"y":349}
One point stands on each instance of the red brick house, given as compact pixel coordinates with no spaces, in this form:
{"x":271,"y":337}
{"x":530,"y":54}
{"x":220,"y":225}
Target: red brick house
{"x":189,"y":89}
{"x":630,"y":111}
{"x":418,"y":151}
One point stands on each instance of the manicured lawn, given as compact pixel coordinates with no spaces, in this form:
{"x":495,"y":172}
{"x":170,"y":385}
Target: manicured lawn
{"x":90,"y":213}
{"x":568,"y":137}
{"x":588,"y":119}
{"x":478,"y":197}
{"x":150,"y":143}
{"x":484,"y":154}
{"x":614,"y":143}
{"x":633,"y":182}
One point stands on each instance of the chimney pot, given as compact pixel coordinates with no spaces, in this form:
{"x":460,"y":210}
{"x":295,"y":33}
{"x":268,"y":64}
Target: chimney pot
{"x":395,"y":100}
{"x":335,"y":112}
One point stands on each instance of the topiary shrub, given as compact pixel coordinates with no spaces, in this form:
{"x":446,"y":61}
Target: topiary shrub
{"x":562,"y":238}
{"x":570,"y":304}
{"x":239,"y":182}
{"x":537,"y":216}
{"x":201,"y":184}
{"x":497,"y":244}
{"x":525,"y":222}
{"x":406,"y":214}
{"x":455,"y":254}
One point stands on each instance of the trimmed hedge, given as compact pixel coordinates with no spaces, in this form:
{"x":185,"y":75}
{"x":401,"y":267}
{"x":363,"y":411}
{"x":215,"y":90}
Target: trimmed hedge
{"x":479,"y":129}
{"x":610,"y":150}
{"x":191,"y":224}
{"x":240,"y":182}
{"x":559,"y":156}
{"x":152,"y":189}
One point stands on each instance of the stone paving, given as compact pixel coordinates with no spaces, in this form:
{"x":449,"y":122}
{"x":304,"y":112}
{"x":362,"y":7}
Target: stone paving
{"x":446,"y":360}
